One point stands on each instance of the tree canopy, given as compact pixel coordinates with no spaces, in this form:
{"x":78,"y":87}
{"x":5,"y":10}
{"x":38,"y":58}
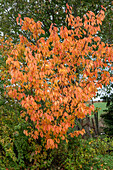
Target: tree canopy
{"x":45,"y":78}
{"x":49,"y":12}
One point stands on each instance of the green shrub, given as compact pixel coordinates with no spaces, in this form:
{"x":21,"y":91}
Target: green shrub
{"x":14,"y":145}
{"x":19,"y":153}
{"x":81,"y":154}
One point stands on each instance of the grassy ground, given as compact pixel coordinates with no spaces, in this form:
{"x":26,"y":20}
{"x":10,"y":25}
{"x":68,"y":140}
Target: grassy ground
{"x":102,"y":106}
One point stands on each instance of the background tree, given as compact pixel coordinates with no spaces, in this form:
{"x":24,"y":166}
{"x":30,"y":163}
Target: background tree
{"x":108,"y":116}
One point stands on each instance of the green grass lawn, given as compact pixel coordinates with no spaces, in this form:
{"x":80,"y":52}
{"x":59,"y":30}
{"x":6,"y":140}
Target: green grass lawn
{"x":102,"y":106}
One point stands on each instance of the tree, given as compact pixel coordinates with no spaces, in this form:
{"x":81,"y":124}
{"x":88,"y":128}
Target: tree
{"x":107,"y":116}
{"x":49,"y":12}
{"x":80,"y":7}
{"x":44,"y":74}
{"x":45,"y":11}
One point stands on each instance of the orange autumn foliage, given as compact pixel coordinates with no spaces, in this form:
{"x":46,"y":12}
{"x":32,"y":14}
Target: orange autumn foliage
{"x":46,"y":77}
